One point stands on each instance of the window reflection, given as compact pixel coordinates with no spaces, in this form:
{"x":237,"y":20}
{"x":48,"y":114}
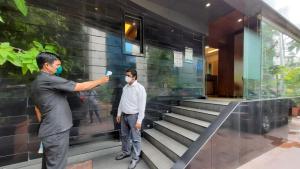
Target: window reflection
{"x":280,"y":63}
{"x":132,"y":29}
{"x":132,"y":35}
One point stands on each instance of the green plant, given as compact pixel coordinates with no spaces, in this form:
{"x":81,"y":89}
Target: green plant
{"x":21,"y":6}
{"x":277,"y":70}
{"x":24,"y":58}
{"x":16,"y":56}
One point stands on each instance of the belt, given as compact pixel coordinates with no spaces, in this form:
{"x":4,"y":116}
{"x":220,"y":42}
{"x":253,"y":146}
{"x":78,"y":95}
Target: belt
{"x":125,"y":114}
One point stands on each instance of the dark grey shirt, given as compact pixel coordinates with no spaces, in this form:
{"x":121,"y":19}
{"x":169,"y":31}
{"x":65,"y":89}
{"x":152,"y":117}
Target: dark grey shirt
{"x":49,"y":95}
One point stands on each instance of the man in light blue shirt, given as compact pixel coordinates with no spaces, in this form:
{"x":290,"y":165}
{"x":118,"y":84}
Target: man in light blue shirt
{"x":131,"y":113}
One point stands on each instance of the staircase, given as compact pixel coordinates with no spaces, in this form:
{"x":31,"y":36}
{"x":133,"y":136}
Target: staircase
{"x":162,"y":145}
{"x":171,"y":137}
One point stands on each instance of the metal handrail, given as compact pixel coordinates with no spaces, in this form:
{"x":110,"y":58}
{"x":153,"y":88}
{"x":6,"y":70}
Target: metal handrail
{"x":196,"y":146}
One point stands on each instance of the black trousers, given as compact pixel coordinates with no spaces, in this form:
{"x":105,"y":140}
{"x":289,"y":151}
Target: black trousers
{"x":55,"y":150}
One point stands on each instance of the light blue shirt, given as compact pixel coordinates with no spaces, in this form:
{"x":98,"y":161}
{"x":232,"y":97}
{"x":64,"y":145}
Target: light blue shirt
{"x":133,"y":100}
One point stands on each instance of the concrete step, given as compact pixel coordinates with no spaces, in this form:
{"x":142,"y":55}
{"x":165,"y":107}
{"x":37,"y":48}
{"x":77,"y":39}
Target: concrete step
{"x":179,"y":134}
{"x":155,"y":158}
{"x":165,"y":144}
{"x":189,"y":123}
{"x":212,"y":105}
{"x":206,"y":115}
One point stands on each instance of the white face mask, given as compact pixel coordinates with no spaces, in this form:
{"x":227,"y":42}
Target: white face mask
{"x":128,"y":79}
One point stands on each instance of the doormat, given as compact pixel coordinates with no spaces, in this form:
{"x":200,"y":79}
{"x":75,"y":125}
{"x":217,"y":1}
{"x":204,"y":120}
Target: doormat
{"x":83,"y":165}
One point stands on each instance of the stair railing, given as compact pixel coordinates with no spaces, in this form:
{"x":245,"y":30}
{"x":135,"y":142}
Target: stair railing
{"x":197,"y":146}
{"x":243,"y":131}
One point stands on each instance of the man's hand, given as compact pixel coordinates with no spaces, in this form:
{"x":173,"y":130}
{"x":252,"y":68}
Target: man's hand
{"x":138,"y":125}
{"x":104,"y":79}
{"x":38,"y":114}
{"x":118,"y":119}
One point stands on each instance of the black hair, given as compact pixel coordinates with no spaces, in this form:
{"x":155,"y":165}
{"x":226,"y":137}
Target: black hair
{"x":133,"y":72}
{"x":45,"y":57}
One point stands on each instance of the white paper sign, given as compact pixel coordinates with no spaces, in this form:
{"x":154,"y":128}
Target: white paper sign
{"x":178,"y":59}
{"x":188,"y":54}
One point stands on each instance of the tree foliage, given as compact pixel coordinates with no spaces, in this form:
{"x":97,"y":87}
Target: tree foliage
{"x":17,"y":31}
{"x":281,"y":66}
{"x":19,"y":57}
{"x":22,"y":7}
{"x":24,"y":58}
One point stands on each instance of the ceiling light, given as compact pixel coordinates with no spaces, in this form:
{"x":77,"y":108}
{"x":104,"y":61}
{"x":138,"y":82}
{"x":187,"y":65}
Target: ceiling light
{"x":240,"y":20}
{"x":96,"y":9}
{"x":207,"y":5}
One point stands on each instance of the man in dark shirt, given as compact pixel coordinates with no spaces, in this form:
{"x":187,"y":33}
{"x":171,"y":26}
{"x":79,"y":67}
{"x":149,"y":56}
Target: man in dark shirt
{"x":115,"y":100}
{"x":49,"y":96}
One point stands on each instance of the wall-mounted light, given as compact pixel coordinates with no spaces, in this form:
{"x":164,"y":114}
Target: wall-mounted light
{"x":240,"y":20}
{"x":206,"y":47}
{"x":207,"y":5}
{"x":96,"y":9}
{"x":212,"y":51}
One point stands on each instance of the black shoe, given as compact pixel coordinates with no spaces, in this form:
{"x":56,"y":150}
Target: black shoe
{"x":122,"y":156}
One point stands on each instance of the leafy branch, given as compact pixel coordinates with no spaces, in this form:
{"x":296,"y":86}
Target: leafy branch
{"x":1,"y":20}
{"x":24,"y":58}
{"x":22,"y":7}
{"x":19,"y":57}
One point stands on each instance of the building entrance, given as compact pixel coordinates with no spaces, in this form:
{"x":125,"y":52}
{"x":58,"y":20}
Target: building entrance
{"x":224,"y":56}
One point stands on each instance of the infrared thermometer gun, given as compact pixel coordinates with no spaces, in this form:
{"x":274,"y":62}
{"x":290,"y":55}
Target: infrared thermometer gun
{"x":108,"y":73}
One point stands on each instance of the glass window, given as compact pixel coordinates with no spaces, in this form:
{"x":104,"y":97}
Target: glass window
{"x":133,"y":41}
{"x":281,"y":62}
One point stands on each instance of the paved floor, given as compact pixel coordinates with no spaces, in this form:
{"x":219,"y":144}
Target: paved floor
{"x":109,"y":162}
{"x":285,"y":156}
{"x":106,"y":161}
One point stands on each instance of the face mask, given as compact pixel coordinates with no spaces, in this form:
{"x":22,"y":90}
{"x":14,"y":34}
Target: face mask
{"x":128,"y":79}
{"x":58,"y":71}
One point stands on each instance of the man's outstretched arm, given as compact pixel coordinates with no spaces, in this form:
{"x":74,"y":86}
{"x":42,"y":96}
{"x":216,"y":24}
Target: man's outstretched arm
{"x":90,"y":84}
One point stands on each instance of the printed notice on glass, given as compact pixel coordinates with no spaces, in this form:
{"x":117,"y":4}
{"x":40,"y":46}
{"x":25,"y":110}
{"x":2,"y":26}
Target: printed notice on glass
{"x":188,"y":54}
{"x":178,"y":59}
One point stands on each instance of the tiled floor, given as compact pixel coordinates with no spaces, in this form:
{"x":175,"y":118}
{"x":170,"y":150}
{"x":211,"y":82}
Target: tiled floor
{"x":83,"y":165}
{"x":285,"y":156}
{"x":109,"y":162}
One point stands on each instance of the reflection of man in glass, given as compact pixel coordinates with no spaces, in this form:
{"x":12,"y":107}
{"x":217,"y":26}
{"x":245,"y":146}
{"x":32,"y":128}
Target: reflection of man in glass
{"x":79,"y":108}
{"x":115,"y":100}
{"x":48,"y":92}
{"x":93,"y":105}
{"x":132,"y":109}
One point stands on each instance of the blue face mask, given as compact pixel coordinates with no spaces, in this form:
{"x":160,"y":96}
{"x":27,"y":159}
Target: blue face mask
{"x":59,"y":71}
